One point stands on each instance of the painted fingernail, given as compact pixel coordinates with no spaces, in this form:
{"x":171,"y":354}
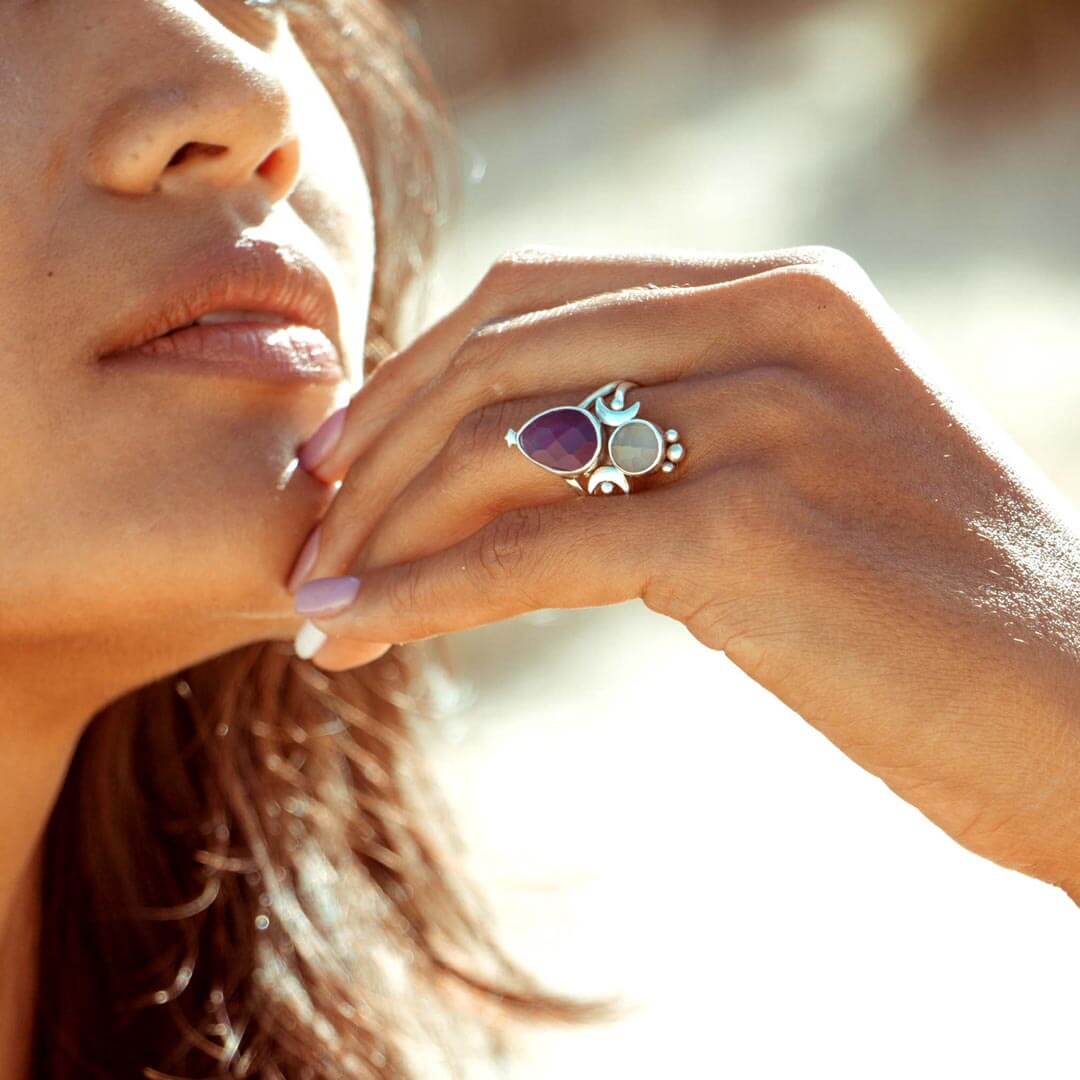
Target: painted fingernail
{"x":317,"y":449}
{"x":308,"y":641}
{"x":326,"y":596}
{"x":306,"y":559}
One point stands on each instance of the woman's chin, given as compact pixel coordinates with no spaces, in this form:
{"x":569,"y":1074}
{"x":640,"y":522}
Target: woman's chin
{"x":176,"y":546}
{"x":213,"y":575}
{"x":242,"y":581}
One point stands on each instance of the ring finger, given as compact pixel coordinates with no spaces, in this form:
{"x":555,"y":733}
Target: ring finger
{"x":474,"y":478}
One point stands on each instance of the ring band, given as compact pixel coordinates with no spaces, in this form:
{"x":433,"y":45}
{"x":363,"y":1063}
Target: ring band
{"x":568,"y":440}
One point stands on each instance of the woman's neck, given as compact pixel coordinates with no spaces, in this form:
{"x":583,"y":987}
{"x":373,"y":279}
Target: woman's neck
{"x":49,"y":692}
{"x":19,"y":939}
{"x":47,"y":696}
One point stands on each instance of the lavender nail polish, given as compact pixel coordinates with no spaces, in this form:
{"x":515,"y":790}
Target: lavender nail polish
{"x":306,"y":559}
{"x":317,"y":449}
{"x":326,"y":596}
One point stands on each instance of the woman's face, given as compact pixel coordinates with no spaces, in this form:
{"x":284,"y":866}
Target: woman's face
{"x":152,"y":511}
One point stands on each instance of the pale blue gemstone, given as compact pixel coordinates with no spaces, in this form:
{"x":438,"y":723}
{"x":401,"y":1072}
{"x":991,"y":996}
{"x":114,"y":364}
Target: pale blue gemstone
{"x":635,"y":447}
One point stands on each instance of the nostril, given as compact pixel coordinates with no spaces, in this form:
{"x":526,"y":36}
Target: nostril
{"x":279,"y":167}
{"x":201,"y":148}
{"x":270,"y":163}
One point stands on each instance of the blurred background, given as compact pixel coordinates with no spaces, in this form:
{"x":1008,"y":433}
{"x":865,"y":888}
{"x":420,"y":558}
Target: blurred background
{"x":646,"y":820}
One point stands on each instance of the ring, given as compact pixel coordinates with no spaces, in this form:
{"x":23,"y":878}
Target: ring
{"x":568,"y":440}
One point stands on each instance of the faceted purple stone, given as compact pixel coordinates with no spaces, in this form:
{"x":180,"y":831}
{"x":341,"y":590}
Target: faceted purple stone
{"x":563,"y":439}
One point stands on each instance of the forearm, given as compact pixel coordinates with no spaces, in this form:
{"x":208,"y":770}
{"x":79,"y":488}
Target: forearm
{"x":984,"y":737}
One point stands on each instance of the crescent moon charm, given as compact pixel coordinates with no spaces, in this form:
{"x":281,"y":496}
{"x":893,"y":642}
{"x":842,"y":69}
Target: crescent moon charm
{"x":607,"y":478}
{"x":615,"y":414}
{"x":615,"y":417}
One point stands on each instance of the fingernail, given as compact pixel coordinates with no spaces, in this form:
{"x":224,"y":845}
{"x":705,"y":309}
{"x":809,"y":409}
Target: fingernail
{"x":317,"y":449}
{"x":326,"y":596}
{"x":308,"y":641}
{"x":306,"y":559}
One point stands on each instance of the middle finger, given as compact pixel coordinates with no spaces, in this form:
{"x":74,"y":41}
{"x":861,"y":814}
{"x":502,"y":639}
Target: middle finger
{"x":521,"y":282}
{"x":646,"y":336}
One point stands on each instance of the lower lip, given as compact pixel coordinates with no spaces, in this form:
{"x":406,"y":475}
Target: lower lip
{"x":251,"y":350}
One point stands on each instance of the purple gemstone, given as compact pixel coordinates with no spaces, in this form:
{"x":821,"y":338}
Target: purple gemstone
{"x":562,"y":439}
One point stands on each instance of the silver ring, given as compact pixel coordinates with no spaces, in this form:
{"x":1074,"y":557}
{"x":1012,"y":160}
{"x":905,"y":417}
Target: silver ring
{"x":568,"y":440}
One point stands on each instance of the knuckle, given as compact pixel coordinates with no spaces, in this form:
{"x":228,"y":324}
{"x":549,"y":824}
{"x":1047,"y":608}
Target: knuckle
{"x":820,"y":288}
{"x":476,"y":351}
{"x":468,"y":449}
{"x":510,"y":277}
{"x":503,"y":546}
{"x":404,"y":590}
{"x":829,"y":258}
{"x":471,"y":433}
{"x":824,"y":276}
{"x":471,"y":374}
{"x":829,"y":305}
{"x":811,"y":257}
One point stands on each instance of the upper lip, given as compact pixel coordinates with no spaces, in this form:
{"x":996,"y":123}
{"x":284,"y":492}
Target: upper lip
{"x":253,"y":275}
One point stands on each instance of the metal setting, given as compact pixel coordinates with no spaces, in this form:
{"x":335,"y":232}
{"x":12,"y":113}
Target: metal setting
{"x":602,"y":475}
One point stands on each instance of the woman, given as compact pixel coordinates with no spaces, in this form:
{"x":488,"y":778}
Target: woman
{"x":216,"y":857}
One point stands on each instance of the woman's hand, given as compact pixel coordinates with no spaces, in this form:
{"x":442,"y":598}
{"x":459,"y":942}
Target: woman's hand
{"x":841,"y":527}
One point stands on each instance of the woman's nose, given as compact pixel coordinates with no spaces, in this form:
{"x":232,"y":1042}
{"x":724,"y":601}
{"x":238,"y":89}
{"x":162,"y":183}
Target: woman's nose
{"x":197,"y":107}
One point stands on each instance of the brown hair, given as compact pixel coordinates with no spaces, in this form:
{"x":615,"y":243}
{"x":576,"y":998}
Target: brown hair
{"x":246,"y":873}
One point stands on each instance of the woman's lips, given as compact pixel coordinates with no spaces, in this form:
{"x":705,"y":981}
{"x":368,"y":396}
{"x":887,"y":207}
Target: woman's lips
{"x":254,"y":350}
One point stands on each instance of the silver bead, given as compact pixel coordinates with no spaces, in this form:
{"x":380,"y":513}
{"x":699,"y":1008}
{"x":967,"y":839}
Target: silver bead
{"x":675,"y":452}
{"x":667,"y":467}
{"x":671,"y":435}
